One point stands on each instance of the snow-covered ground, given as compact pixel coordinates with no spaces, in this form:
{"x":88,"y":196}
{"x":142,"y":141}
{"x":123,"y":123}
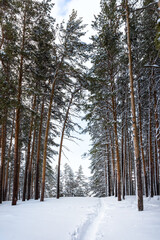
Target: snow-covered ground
{"x":80,"y":219}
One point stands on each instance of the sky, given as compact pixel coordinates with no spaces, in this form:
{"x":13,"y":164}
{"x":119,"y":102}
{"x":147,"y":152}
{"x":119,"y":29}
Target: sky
{"x":61,"y":11}
{"x":85,"y":9}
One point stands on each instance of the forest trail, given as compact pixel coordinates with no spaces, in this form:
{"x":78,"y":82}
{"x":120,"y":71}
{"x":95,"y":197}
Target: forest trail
{"x":80,"y":219}
{"x":91,"y":228}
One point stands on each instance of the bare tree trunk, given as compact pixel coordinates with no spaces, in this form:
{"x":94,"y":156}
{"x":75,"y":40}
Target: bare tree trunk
{"x":124,"y":164}
{"x":109,"y":171}
{"x":28,"y":150}
{"x":9,"y":153}
{"x":38,"y":153}
{"x":135,"y":132}
{"x":105,"y":174}
{"x":30,"y":166}
{"x":61,"y":145}
{"x":113,"y":165}
{"x":150,"y":147}
{"x":17,"y":126}
{"x":46,"y":141}
{"x":3,"y":139}
{"x":157,"y":151}
{"x":122,"y":157}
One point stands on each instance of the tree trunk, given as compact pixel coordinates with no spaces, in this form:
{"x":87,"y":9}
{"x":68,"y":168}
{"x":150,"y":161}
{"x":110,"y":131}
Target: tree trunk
{"x":28,"y":150}
{"x":61,"y":145}
{"x":109,"y":171}
{"x":135,"y":133}
{"x":9,"y":153}
{"x":141,"y":143}
{"x":17,"y":125}
{"x":124,"y":164}
{"x":105,"y":174}
{"x":30,"y":166}
{"x":157,"y":151}
{"x":3,"y":142}
{"x":38,"y":153}
{"x":150,"y":146}
{"x":117,"y":147}
{"x":113,"y":165}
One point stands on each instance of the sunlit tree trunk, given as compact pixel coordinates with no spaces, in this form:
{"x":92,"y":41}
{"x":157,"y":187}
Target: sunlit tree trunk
{"x":135,"y":132}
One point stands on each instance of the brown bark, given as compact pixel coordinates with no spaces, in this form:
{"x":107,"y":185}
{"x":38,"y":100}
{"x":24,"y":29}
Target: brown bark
{"x":2,"y":169}
{"x":30,"y":166}
{"x":156,"y":170}
{"x":122,"y":157}
{"x":105,"y":175}
{"x":124,"y":163}
{"x":157,"y":150}
{"x":38,"y":153}
{"x":113,"y":165}
{"x":28,"y":150}
{"x":47,"y":128}
{"x":46,"y":140}
{"x":150,"y":147}
{"x":109,"y":171}
{"x":135,"y":132}
{"x":8,"y":161}
{"x":17,"y":125}
{"x":61,"y":145}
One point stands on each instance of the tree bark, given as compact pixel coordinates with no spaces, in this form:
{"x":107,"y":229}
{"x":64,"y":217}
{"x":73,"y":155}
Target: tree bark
{"x":2,"y":169}
{"x":135,"y":132}
{"x":8,"y":161}
{"x":150,"y":146}
{"x":157,"y":136}
{"x":109,"y":171}
{"x":28,"y":150}
{"x":38,"y":153}
{"x":113,"y":165}
{"x":17,"y":125}
{"x":30,"y":166}
{"x":61,"y":145}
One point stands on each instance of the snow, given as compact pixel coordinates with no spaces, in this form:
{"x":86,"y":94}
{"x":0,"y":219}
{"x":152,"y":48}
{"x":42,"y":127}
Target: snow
{"x":80,"y":219}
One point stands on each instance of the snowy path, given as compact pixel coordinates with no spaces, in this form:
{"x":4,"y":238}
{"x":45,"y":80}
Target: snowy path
{"x":90,"y":229}
{"x":80,"y":219}
{"x":93,"y":230}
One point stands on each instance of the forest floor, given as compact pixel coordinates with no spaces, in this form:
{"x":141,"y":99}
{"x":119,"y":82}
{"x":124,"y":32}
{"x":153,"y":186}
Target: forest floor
{"x":80,"y":219}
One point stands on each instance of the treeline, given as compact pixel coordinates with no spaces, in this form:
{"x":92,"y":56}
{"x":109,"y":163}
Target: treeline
{"x":123,"y":110}
{"x":41,"y":78}
{"x":71,"y":184}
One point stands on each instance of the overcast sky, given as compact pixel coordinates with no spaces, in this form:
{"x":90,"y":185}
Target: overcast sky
{"x":85,"y":9}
